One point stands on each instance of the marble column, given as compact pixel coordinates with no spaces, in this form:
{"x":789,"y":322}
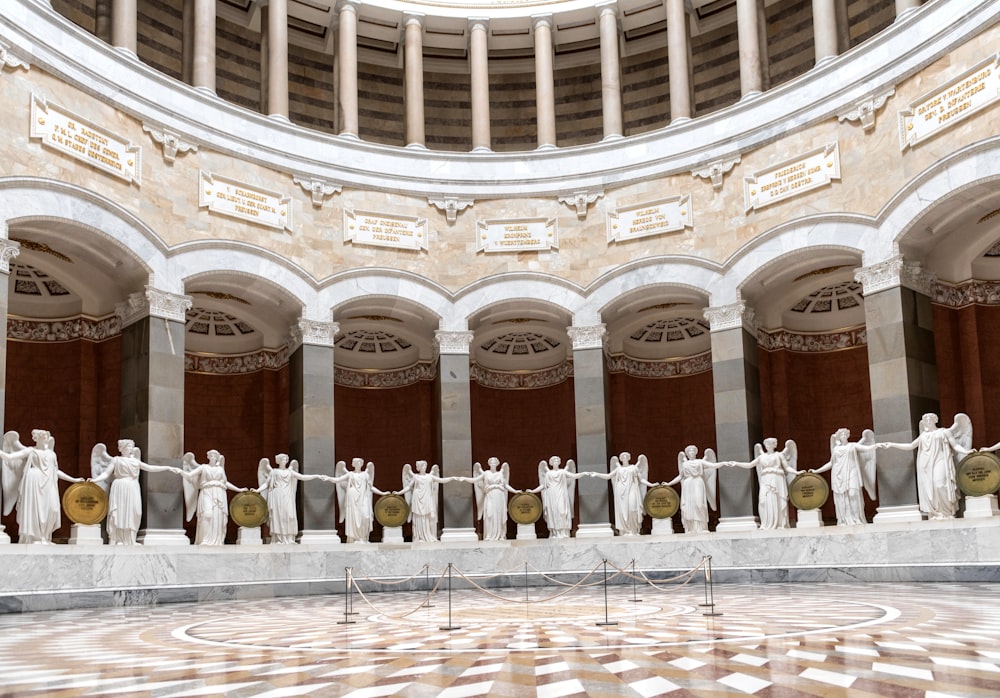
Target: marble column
{"x":480,"y":83}
{"x":751,"y":63}
{"x":904,"y":7}
{"x":738,"y":424}
{"x":545,"y":93}
{"x":187,"y":42}
{"x":455,"y":402}
{"x":679,"y":60}
{"x":276,"y":53}
{"x":8,"y":250}
{"x":903,"y":374}
{"x":413,"y":64}
{"x":347,"y":59}
{"x":589,"y":390}
{"x":824,"y":29}
{"x":611,"y":79}
{"x":123,"y":25}
{"x":310,"y":426}
{"x":843,"y":26}
{"x":203,"y":63}
{"x":152,"y":404}
{"x":102,"y":20}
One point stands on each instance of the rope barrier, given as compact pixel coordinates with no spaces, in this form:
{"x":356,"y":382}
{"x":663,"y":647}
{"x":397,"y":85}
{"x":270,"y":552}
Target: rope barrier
{"x":402,"y":616}
{"x":395,"y":583}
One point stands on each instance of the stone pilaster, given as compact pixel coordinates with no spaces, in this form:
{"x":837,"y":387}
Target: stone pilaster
{"x":203,"y":63}
{"x":736,"y":382}
{"x":480,"y":83}
{"x":824,"y":29}
{"x":347,"y":62}
{"x":310,"y":425}
{"x":413,"y":43}
{"x":455,"y":403}
{"x":903,"y":374}
{"x":678,"y":60}
{"x":152,"y":404}
{"x":611,"y":84}
{"x":123,"y":25}
{"x":589,"y":389}
{"x":8,"y":250}
{"x":545,"y":99}
{"x":275,"y":57}
{"x":749,"y":36}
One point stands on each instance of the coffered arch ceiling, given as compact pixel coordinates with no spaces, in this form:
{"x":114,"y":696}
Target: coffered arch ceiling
{"x":383,"y":333}
{"x":520,"y":335}
{"x":658,"y":323}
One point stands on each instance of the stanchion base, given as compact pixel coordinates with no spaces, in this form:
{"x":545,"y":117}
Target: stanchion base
{"x":607,"y":623}
{"x":346,"y":622}
{"x":636,"y":600}
{"x":449,"y":627}
{"x":711,"y":613}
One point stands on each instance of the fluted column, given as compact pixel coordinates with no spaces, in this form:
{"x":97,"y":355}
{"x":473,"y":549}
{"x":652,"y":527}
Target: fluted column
{"x":589,"y":389}
{"x":903,"y":373}
{"x":480,"y":83}
{"x":611,"y":80}
{"x":414,"y":69}
{"x":545,"y":94}
{"x":751,"y":64}
{"x":824,"y":29}
{"x":456,"y":433}
{"x":678,"y":60}
{"x":738,"y":425}
{"x":123,"y":25}
{"x":152,"y":404}
{"x":310,"y":425}
{"x":347,"y":58}
{"x":203,"y":63}
{"x":905,"y":6}
{"x":276,"y":52}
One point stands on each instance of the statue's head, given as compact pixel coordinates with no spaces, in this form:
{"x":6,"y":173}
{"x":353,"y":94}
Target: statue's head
{"x":770,"y":443}
{"x":357,"y":463}
{"x":843,"y":435}
{"x":282,"y":460}
{"x":126,"y":446}
{"x":493,"y":462}
{"x":41,"y":436}
{"x":421,"y":466}
{"x":625,"y":457}
{"x":213,"y":457}
{"x":555,"y":462}
{"x":928,"y":421}
{"x":691,"y":452}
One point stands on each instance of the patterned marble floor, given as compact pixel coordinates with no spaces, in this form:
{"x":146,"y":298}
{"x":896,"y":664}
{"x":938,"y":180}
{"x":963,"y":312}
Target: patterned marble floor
{"x":930,"y":640}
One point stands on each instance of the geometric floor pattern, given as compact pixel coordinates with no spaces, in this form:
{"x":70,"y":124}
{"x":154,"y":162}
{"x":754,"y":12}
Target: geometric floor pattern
{"x":771,"y":640}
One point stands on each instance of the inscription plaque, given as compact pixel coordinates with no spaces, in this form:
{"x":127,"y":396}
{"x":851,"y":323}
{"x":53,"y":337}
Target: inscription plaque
{"x":661,"y":502}
{"x":382,"y":230}
{"x":654,"y":218}
{"x":525,"y":508}
{"x":85,"y":503}
{"x":815,"y":169}
{"x":516,"y":235}
{"x":391,"y":510}
{"x":248,"y":509}
{"x":978,"y":474}
{"x":244,"y":201}
{"x":808,"y":491}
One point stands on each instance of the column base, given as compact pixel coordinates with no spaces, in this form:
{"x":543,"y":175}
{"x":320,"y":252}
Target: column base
{"x":663,"y":527}
{"x":482,"y":149}
{"x":595,"y":530}
{"x":809,"y":518}
{"x":277,"y":116}
{"x":392,"y":534}
{"x":459,"y":535}
{"x":82,"y":534}
{"x":4,"y":538}
{"x":249,"y":536}
{"x":737,"y":523}
{"x":416,"y":146}
{"x":162,"y":536}
{"x":526,"y":532}
{"x":984,"y":507}
{"x":319,"y":538}
{"x":906,"y":513}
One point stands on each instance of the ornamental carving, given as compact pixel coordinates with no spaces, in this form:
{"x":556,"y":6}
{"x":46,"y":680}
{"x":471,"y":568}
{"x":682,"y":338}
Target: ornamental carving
{"x":8,"y":250}
{"x":966,"y":294}
{"x":451,"y":206}
{"x":64,"y":330}
{"x":314,"y":332}
{"x":132,"y":309}
{"x":169,"y":306}
{"x":864,"y":111}
{"x":422,"y":371}
{"x":172,"y":144}
{"x":590,"y":337}
{"x":688,"y":366}
{"x":9,"y":60}
{"x":232,"y":364}
{"x":451,"y":342}
{"x":808,"y":342}
{"x":521,"y":380}
{"x":580,"y":200}
{"x":727,"y":317}
{"x":893,"y":272}
{"x":716,"y":171}
{"x":319,"y":189}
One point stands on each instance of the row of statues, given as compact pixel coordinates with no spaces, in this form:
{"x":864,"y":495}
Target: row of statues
{"x":30,"y":482}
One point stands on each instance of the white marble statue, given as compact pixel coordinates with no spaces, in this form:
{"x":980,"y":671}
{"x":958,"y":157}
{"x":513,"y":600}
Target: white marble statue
{"x":558,"y":488}
{"x":491,"y":486}
{"x":421,"y":489}
{"x":205,"y":488}
{"x":628,"y":482}
{"x":279,"y":485}
{"x":698,"y":478}
{"x":852,"y":466}
{"x":775,"y":471}
{"x":30,"y":477}
{"x":939,"y":449}
{"x":354,"y":498}
{"x":119,"y":476}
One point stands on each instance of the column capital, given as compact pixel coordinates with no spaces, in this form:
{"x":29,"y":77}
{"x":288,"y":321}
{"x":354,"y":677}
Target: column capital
{"x":607,"y":7}
{"x":347,"y":6}
{"x":153,"y":303}
{"x":8,"y":250}
{"x":453,"y":342}
{"x":315,"y":332}
{"x":894,"y":272}
{"x":479,"y":23}
{"x":413,"y":18}
{"x":588,"y":337}
{"x":727,"y":317}
{"x":541,"y":21}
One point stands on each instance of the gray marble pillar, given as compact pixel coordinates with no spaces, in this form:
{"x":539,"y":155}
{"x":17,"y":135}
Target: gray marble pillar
{"x":8,"y":250}
{"x":736,"y":384}
{"x":413,"y":65}
{"x":347,"y":62}
{"x":480,"y":83}
{"x":903,"y":374}
{"x":203,"y":63}
{"x":589,"y":390}
{"x":678,"y":60}
{"x":545,"y":94}
{"x":751,"y":61}
{"x":611,"y":81}
{"x":456,"y":433}
{"x":824,"y":29}
{"x":152,"y":404}
{"x":123,"y":25}
{"x":310,"y":426}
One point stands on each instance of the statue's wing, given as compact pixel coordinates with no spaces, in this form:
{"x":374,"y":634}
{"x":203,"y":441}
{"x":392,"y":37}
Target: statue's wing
{"x":710,"y":456}
{"x":833,"y":444}
{"x":505,"y":471}
{"x":137,"y":453}
{"x":293,"y":465}
{"x":370,"y":470}
{"x":542,"y":467}
{"x":188,"y":463}
{"x":643,"y":465}
{"x":480,"y":489}
{"x":757,"y":450}
{"x":294,"y":481}
{"x":571,"y":484}
{"x":961,"y":430}
{"x":263,"y":476}
{"x":100,"y":461}
{"x":681,"y":459}
{"x":711,"y":478}
{"x":791,"y":455}
{"x":868,"y":462}
{"x":339,"y":470}
{"x":12,"y":471}
{"x":407,"y":479}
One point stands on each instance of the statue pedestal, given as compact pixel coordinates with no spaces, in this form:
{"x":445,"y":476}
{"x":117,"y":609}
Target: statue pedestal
{"x":319,"y":538}
{"x":595,"y":530}
{"x":459,"y":535}
{"x":81,"y":534}
{"x":737,"y":523}
{"x":663,"y":527}
{"x":162,"y":536}
{"x":981,"y":507}
{"x":907,"y":513}
{"x":809,"y":518}
{"x":392,"y":534}
{"x":249,"y":536}
{"x":526,"y":532}
{"x":4,"y":538}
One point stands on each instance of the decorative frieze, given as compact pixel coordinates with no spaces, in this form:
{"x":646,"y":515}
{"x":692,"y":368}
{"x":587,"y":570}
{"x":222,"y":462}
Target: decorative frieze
{"x":653,"y":218}
{"x":814,"y":169}
{"x":936,"y":111}
{"x":395,"y":378}
{"x":516,"y":235}
{"x":521,"y":380}
{"x":172,"y":144}
{"x":812,"y":342}
{"x":234,"y":364}
{"x":969,"y":293}
{"x":229,"y":197}
{"x":893,"y":272}
{"x":153,"y":303}
{"x":589,"y":337}
{"x":9,"y":61}
{"x":314,"y":332}
{"x":865,"y":110}
{"x":64,"y":329}
{"x":383,"y":230}
{"x":670,"y":368}
{"x":716,"y":171}
{"x":318,"y":189}
{"x":728,"y":317}
{"x":451,"y":206}
{"x":453,"y":342}
{"x":80,"y":139}
{"x":8,"y":250}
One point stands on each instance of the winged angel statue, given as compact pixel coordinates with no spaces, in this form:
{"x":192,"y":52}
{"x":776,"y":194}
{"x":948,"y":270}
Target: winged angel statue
{"x":698,"y":478}
{"x":421,"y":490}
{"x":205,"y":488}
{"x":558,"y":488}
{"x":775,"y":471}
{"x":354,"y":498}
{"x":492,"y":486}
{"x":30,"y":476}
{"x":279,"y":486}
{"x":629,"y":482}
{"x":852,"y":466}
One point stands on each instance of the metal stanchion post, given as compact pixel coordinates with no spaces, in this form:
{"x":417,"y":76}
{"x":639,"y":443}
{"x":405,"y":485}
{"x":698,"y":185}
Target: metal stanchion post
{"x":710,"y":601}
{"x":634,"y":599}
{"x":450,"y":625}
{"x":348,"y":598}
{"x":427,"y":582}
{"x":606,"y":621}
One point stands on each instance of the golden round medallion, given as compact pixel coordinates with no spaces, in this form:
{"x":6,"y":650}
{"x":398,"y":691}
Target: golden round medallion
{"x":85,"y":503}
{"x":248,"y":509}
{"x":808,"y":491}
{"x":978,"y":474}
{"x":661,"y":502}
{"x":525,"y":508}
{"x":391,"y":510}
